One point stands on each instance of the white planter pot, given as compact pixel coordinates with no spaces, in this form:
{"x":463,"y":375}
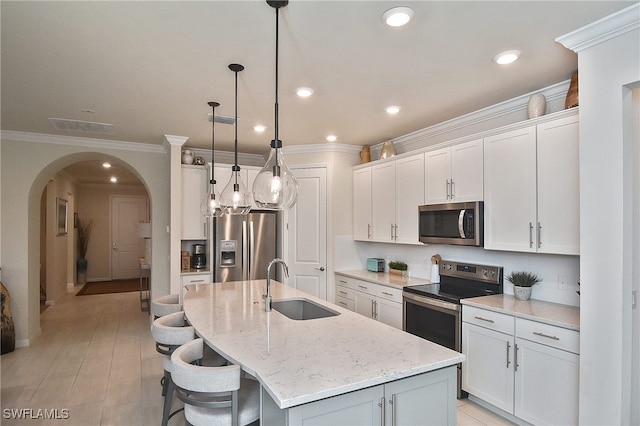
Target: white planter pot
{"x":522,"y":293}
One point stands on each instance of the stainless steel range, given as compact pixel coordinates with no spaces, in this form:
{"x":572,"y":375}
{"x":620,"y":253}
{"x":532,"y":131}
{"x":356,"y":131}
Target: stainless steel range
{"x":434,"y":312}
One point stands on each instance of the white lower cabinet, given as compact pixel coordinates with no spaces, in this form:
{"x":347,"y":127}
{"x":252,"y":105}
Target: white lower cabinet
{"x":525,"y":368}
{"x":375,"y":301}
{"x":197,"y":278}
{"x":426,"y":399}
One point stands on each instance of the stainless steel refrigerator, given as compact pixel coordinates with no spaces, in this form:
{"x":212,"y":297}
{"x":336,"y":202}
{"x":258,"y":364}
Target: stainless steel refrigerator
{"x":245,"y":244}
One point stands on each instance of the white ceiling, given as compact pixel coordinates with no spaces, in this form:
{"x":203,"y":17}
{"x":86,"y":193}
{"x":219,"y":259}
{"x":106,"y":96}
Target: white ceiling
{"x":150,"y":67}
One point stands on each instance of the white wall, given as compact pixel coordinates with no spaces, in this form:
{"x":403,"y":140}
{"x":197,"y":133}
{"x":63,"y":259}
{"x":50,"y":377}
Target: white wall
{"x":609,"y":63}
{"x":24,"y":175}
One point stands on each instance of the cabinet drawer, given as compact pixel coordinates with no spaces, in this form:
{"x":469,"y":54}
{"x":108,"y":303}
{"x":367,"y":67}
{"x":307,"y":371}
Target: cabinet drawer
{"x":550,"y":335}
{"x":346,"y":303}
{"x":389,"y":293}
{"x":195,"y":279}
{"x":344,"y":292}
{"x":488,"y":319}
{"x":341,"y":280}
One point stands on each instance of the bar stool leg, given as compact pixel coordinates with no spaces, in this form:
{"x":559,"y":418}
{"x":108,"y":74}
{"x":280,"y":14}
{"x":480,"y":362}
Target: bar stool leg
{"x":168,"y":399}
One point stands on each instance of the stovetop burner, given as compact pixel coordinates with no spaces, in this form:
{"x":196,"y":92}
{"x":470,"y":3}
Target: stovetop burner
{"x":460,"y":281}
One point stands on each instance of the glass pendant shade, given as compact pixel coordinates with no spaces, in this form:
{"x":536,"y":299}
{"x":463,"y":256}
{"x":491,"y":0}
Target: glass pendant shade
{"x":235,"y":198}
{"x":275,"y":187}
{"x":210,"y":205}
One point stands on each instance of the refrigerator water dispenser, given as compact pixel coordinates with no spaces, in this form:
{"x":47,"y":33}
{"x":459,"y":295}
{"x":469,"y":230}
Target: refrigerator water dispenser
{"x":228,"y":253}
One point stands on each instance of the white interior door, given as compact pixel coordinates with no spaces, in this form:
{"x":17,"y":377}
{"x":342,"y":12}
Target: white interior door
{"x":126,"y":246}
{"x":307,"y":233}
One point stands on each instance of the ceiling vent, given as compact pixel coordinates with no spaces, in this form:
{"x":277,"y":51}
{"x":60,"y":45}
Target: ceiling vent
{"x":222,"y":119}
{"x":82,"y":126}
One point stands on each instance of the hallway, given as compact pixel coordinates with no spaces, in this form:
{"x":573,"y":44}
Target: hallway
{"x":96,"y":364}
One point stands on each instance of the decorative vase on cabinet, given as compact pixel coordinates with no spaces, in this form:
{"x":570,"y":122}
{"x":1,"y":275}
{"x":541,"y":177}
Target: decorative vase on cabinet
{"x":537,"y":105}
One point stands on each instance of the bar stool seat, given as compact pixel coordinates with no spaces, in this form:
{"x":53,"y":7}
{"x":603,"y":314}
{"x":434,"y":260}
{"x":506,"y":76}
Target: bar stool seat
{"x":170,"y":331}
{"x":213,"y":395}
{"x":164,"y":305}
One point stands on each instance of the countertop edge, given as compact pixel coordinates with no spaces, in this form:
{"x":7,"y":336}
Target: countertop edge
{"x":382,"y":278}
{"x":509,"y":305}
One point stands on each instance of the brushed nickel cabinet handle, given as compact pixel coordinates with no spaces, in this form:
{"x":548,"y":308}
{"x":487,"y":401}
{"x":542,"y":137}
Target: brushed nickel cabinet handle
{"x":508,"y":348}
{"x":537,"y":333}
{"x":485,"y":319}
{"x":530,"y":235}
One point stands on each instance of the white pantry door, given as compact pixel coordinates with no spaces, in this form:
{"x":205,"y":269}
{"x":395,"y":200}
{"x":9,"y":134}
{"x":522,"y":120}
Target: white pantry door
{"x":307,"y":233}
{"x":126,"y":246}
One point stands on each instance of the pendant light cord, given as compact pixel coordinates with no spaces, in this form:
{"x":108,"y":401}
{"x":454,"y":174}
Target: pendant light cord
{"x":213,"y":106}
{"x":277,"y":140}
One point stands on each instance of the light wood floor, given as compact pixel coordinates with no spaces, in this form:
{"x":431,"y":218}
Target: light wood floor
{"x":96,"y":358}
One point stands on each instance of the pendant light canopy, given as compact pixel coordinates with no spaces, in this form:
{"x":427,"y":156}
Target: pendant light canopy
{"x":210,"y":205}
{"x":235,"y":197}
{"x":275,"y":187}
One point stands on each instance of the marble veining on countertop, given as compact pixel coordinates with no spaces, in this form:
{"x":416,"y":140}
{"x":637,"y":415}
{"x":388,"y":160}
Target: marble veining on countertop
{"x":383,"y":278}
{"x":304,"y":361}
{"x":537,"y":310}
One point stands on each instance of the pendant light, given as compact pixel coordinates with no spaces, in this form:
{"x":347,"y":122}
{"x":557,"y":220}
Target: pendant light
{"x":235,"y":198}
{"x":210,"y":205}
{"x":275,"y":187}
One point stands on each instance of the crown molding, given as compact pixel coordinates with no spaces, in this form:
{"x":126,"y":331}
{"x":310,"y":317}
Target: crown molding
{"x":611,"y":26}
{"x":79,"y":141}
{"x":514,"y":105}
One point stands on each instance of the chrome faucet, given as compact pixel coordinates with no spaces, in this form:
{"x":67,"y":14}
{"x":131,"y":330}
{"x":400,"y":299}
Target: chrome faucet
{"x":267,"y":297}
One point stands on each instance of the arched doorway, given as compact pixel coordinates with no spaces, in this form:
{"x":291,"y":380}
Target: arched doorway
{"x":81,"y":187}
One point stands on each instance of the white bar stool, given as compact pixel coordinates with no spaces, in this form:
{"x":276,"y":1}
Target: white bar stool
{"x":165,"y":305}
{"x":213,"y":395}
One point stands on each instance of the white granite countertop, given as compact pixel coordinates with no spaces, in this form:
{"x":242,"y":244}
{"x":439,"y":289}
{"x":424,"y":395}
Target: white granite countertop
{"x":304,"y":361}
{"x":383,"y":278}
{"x":565,"y":316}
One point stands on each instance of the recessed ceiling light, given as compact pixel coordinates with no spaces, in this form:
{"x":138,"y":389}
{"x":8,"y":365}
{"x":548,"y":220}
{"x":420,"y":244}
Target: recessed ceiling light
{"x":332,"y":138}
{"x":506,"y":57}
{"x":259,"y":128}
{"x":113,"y":179}
{"x":304,"y":92}
{"x":393,"y":109}
{"x":106,"y":165}
{"x":398,"y":16}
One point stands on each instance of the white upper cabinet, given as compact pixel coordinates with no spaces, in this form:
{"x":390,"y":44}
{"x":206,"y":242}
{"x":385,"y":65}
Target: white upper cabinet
{"x":386,"y":197}
{"x":510,"y":190}
{"x":362,"y":204}
{"x":454,"y":174}
{"x":558,"y":187}
{"x":383,"y":201}
{"x":194,"y":188}
{"x":409,"y":195}
{"x":532,"y":189}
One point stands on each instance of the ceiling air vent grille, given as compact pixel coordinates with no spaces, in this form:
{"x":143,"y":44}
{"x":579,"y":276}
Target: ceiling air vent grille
{"x":82,"y":126}
{"x":222,"y":119}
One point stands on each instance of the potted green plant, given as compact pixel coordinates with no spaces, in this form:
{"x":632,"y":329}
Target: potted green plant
{"x":398,"y":267}
{"x":522,"y":282}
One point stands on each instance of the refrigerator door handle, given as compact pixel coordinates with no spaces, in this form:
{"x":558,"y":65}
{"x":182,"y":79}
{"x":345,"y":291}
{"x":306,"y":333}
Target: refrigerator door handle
{"x":252,"y":241}
{"x":245,"y":263}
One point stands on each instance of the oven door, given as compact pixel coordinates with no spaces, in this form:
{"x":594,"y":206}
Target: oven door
{"x":434,"y":320}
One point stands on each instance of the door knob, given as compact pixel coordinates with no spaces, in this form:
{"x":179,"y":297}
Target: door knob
{"x":320,"y":269}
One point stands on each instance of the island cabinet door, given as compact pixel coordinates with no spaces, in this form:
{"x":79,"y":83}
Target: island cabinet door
{"x":427,"y":399}
{"x":359,"y":408}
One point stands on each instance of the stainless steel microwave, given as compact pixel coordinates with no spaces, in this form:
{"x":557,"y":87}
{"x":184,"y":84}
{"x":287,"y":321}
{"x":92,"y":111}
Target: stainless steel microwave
{"x":452,"y":223}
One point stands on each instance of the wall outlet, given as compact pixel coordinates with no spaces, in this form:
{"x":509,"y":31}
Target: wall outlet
{"x":563,"y":281}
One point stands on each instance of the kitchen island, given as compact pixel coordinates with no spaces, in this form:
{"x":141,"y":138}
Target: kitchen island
{"x":344,"y":369}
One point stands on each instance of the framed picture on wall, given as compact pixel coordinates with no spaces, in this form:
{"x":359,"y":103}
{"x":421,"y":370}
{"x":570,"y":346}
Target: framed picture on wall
{"x":62,"y":216}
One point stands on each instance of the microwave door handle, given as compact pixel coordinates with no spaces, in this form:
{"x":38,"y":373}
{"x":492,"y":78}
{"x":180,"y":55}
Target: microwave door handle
{"x":461,"y":223}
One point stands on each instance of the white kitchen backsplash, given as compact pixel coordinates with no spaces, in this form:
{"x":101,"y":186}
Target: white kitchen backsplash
{"x":351,"y":254}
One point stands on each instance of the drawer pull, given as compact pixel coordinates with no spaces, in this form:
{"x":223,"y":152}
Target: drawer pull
{"x":485,"y":319}
{"x":196,"y":281}
{"x":342,"y":303}
{"x":342,"y":292}
{"x":537,"y":333}
{"x":387,"y":294}
{"x":342,"y":281}
{"x":364,"y":287}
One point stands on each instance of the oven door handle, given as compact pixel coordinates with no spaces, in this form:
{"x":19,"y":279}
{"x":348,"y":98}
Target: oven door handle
{"x":427,"y":301}
{"x":461,"y":223}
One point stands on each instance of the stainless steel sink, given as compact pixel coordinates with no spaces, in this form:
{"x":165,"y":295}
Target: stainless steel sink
{"x":302,"y":309}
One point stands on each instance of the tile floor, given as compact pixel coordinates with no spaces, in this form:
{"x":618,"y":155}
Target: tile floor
{"x":96,"y":359}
